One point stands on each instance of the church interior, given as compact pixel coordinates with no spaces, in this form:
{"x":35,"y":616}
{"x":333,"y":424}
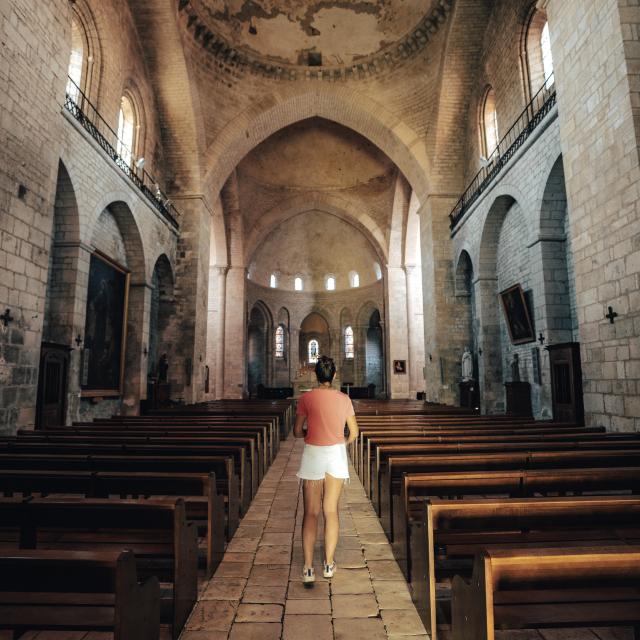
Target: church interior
{"x":198,"y":199}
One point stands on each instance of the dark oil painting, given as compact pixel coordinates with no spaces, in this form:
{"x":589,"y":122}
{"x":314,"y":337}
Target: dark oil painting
{"x":104,"y":326}
{"x":517,"y":315}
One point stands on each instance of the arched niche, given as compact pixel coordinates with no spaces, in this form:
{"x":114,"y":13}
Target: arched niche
{"x":259,"y":348}
{"x":314,"y":327}
{"x":160,"y":313}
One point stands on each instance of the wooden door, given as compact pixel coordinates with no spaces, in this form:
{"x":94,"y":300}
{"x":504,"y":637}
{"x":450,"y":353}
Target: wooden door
{"x":566,"y":382}
{"x":52,"y":386}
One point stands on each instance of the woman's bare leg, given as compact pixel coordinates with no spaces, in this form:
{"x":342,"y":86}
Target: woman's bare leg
{"x":332,"y":490}
{"x":312,"y":493}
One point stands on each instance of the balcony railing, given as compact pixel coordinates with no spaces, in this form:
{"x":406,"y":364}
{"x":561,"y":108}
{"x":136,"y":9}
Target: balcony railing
{"x":533,"y":114}
{"x":79,"y":106}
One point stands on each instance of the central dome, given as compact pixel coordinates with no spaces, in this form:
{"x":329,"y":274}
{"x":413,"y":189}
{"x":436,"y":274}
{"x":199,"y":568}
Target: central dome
{"x":303,"y":32}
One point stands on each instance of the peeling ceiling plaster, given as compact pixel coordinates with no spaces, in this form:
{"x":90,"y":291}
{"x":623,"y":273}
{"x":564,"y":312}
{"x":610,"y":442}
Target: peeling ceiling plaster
{"x":285,"y":31}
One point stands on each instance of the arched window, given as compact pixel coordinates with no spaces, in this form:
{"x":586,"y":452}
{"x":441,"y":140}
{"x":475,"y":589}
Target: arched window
{"x":297,"y":283}
{"x":126,"y":130}
{"x":280,"y":341}
{"x":536,"y":53}
{"x":273,"y":281}
{"x":314,"y":350}
{"x":547,"y":58}
{"x":348,"y":343}
{"x":330,"y":283}
{"x":76,"y":60}
{"x":354,"y":279}
{"x":489,"y":123}
{"x":378,"y":271}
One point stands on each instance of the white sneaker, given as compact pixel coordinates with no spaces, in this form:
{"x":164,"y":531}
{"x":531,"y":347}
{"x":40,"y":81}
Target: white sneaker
{"x":308,"y":575}
{"x":329,"y":570}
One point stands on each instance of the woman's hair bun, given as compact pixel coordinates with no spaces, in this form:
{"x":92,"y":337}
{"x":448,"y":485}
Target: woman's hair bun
{"x":325,"y":369}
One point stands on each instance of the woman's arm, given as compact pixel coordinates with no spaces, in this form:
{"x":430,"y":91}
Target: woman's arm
{"x":297,"y":427}
{"x":352,"y":423}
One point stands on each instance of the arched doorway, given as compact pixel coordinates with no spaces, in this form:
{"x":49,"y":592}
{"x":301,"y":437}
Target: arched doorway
{"x":258,"y":349}
{"x":374,"y":356}
{"x":315,"y":338}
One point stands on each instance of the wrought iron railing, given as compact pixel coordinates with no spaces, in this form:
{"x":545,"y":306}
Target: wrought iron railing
{"x":533,"y":114}
{"x":81,"y":108}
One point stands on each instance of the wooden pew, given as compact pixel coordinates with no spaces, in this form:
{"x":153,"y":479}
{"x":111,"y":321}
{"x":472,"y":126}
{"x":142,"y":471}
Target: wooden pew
{"x":204,"y":505}
{"x":267,"y":427}
{"x":159,"y":452}
{"x":454,"y":530}
{"x":547,"y":587}
{"x":417,"y":488}
{"x":223,"y":467}
{"x":242,"y":450}
{"x":157,"y":531}
{"x":547,"y":458}
{"x":380,"y":452}
{"x":78,"y":590}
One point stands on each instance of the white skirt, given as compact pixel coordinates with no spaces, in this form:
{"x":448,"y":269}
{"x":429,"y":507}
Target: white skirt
{"x":320,"y":460}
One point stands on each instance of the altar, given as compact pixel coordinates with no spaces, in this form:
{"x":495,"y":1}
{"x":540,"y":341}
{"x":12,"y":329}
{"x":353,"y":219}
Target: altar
{"x":306,"y":380}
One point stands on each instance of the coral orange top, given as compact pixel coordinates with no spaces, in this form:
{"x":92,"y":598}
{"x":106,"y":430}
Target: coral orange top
{"x":326,"y":411}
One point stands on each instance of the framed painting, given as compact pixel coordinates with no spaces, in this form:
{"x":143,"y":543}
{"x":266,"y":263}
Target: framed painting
{"x":399,"y":366}
{"x":105,"y":330}
{"x":517,"y":316}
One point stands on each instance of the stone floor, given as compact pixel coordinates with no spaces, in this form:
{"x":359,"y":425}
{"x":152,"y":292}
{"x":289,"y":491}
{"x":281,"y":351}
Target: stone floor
{"x":257,"y":592}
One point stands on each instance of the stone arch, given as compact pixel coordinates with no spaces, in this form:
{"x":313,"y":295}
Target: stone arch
{"x":340,"y":104}
{"x":326,"y":203}
{"x":122,"y":211}
{"x":490,"y":234}
{"x":464,"y":274}
{"x":464,"y":287}
{"x":92,"y":60}
{"x":60,"y":303}
{"x":315,"y":325}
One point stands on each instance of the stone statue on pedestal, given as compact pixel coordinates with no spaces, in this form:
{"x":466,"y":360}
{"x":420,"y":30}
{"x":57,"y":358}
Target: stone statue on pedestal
{"x":163,"y":368}
{"x":515,"y":368}
{"x":467,"y":365}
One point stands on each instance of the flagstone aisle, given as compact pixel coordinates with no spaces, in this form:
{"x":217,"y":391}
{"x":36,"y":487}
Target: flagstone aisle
{"x":257,"y":593}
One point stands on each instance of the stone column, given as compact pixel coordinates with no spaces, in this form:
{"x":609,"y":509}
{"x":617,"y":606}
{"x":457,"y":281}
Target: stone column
{"x":398,"y":329}
{"x":294,"y":350}
{"x":219,"y":339}
{"x":415,"y":333}
{"x":443,"y":342}
{"x":189,"y":346}
{"x":235,"y":353}
{"x":135,"y":379}
{"x":489,"y":347}
{"x":66,"y":314}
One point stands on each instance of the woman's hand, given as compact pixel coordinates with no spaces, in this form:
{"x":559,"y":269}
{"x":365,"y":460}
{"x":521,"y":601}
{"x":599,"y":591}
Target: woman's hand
{"x":352,"y":423}
{"x":297,"y":427}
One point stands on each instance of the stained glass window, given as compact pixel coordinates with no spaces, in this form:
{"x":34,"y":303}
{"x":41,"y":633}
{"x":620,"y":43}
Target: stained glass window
{"x":314,"y":349}
{"x":280,"y":342}
{"x":348,"y":343}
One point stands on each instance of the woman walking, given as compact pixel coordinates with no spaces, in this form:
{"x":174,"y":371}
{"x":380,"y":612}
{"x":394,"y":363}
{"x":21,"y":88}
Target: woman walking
{"x":324,"y":467}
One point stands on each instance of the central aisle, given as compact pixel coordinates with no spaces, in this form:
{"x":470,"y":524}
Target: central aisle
{"x":257,"y":594}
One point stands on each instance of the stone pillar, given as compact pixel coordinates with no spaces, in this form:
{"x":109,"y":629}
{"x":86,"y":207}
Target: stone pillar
{"x":219,"y":334}
{"x":398,"y":329}
{"x":294,"y":347}
{"x":135,"y":378}
{"x":415,"y":333}
{"x":189,"y":345}
{"x":235,"y":353}
{"x":489,"y":346}
{"x":443,"y":341}
{"x":66,"y":313}
{"x":595,"y":46}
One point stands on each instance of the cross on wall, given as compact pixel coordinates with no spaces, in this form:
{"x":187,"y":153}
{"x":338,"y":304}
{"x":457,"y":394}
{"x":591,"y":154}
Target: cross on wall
{"x":612,"y":315}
